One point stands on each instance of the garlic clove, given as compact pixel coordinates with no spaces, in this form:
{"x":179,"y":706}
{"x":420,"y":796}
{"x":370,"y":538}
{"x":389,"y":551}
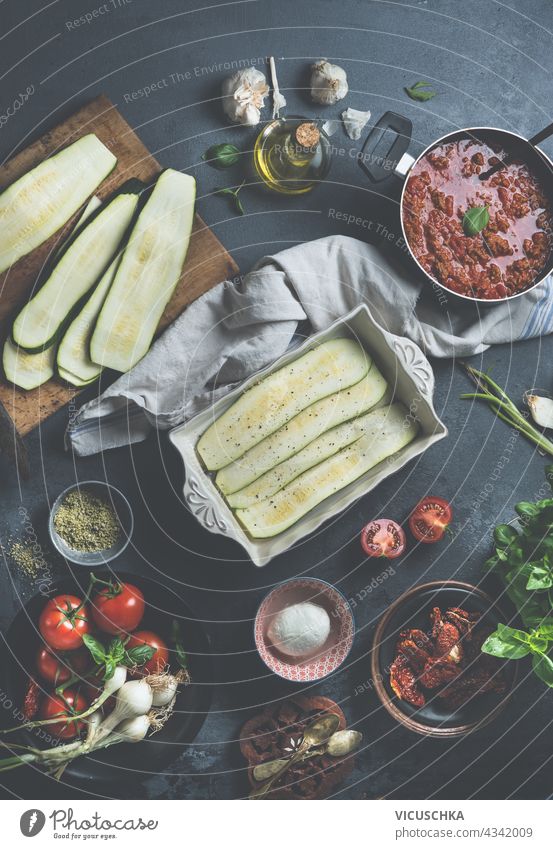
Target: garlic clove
{"x":329,"y":83}
{"x":541,"y":409}
{"x":354,"y":120}
{"x":344,"y":742}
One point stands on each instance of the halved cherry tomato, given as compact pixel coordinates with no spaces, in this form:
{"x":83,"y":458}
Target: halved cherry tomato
{"x":159,"y":659}
{"x":58,"y":668}
{"x":383,"y":538}
{"x":118,"y":608}
{"x":430,"y":518}
{"x":65,"y":707}
{"x":63,"y":622}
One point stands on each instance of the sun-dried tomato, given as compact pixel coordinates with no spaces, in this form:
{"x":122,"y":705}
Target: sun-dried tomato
{"x":31,"y":700}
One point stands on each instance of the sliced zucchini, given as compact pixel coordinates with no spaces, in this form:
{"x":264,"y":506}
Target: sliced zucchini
{"x":40,"y":202}
{"x":326,"y":445}
{"x":280,"y":396}
{"x":392,"y":428}
{"x":74,"y":350}
{"x":302,"y":430}
{"x":27,"y":370}
{"x":72,"y":378}
{"x":43,"y":318}
{"x":147,"y":275}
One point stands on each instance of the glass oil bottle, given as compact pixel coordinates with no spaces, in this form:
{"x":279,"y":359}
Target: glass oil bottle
{"x":292,"y":155}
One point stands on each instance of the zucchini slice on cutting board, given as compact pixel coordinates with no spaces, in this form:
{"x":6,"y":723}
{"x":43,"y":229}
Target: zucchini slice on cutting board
{"x":301,"y":430}
{"x":83,"y":262}
{"x":40,"y":202}
{"x":73,"y":358}
{"x":147,"y":275}
{"x":392,"y":429}
{"x":27,"y":370}
{"x":271,"y":403}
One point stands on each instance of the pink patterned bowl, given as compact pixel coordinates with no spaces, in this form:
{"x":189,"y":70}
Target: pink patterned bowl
{"x":339,"y":641}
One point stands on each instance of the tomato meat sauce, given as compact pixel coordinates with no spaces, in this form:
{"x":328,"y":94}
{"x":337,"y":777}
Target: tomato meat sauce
{"x":509,"y":254}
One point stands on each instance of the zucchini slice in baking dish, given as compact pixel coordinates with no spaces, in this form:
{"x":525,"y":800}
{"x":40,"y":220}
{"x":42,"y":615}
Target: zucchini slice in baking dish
{"x":40,"y":202}
{"x":392,"y":428}
{"x":87,"y":256}
{"x":271,"y":403}
{"x":27,"y":370}
{"x":147,"y":275}
{"x":73,"y":358}
{"x":326,"y":445}
{"x":301,"y":430}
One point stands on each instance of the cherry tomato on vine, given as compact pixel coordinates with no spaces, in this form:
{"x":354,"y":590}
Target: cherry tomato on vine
{"x":430,"y":518}
{"x":65,"y":707}
{"x":383,"y":538}
{"x":56,"y":669}
{"x":63,"y":622}
{"x":118,"y":608}
{"x":159,"y":659}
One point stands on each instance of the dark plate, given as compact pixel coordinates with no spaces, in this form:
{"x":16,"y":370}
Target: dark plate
{"x":126,"y":761}
{"x":412,"y":610}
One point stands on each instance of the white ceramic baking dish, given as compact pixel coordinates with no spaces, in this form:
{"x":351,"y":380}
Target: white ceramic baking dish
{"x":408,"y":373}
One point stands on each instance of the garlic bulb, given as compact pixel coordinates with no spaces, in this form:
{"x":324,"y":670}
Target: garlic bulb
{"x":354,"y":120}
{"x":329,"y":83}
{"x":243,"y":96}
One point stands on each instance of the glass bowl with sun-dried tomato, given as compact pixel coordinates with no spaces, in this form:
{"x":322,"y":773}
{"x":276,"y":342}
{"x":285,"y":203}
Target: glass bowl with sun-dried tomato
{"x":484,"y":236}
{"x":427,"y":665}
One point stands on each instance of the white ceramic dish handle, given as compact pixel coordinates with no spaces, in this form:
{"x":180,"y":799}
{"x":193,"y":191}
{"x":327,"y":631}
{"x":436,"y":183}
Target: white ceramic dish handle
{"x":201,"y":505}
{"x":414,"y":361}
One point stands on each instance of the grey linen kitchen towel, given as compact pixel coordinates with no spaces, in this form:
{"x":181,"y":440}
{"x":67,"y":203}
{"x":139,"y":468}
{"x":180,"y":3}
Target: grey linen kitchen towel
{"x":239,"y":327}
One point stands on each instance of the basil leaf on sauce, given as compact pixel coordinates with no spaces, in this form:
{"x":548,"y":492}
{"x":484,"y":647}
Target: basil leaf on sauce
{"x":475,"y":220}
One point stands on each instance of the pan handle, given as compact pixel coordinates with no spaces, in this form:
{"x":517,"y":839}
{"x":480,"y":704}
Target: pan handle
{"x":394,"y":160}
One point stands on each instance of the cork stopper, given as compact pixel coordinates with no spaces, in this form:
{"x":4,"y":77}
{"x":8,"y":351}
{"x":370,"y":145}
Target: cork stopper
{"x":307,"y":135}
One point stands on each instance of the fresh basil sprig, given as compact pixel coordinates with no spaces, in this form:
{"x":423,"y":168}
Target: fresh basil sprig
{"x":116,"y":654}
{"x":420,"y":91}
{"x":233,"y":193}
{"x":523,"y":560}
{"x":475,"y":219}
{"x":222,"y":155}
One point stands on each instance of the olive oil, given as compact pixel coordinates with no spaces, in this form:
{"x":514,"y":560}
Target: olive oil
{"x":292,"y":155}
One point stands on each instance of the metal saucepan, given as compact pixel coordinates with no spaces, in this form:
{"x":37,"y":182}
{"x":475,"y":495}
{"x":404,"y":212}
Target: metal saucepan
{"x":396,"y":132}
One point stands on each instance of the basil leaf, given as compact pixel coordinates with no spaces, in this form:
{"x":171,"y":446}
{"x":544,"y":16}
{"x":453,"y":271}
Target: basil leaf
{"x":139,"y":655}
{"x":116,"y":650}
{"x":543,"y":667}
{"x":475,"y":219}
{"x":504,"y":535}
{"x":225,"y":192}
{"x":110,"y":667}
{"x":545,"y":628}
{"x":507,"y":642}
{"x":540,"y":579}
{"x":420,"y":91}
{"x":95,"y":648}
{"x":238,"y":205}
{"x":222,"y":155}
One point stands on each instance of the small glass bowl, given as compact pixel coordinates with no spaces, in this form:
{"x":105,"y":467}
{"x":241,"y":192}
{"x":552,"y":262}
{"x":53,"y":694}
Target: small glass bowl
{"x":122,"y":508}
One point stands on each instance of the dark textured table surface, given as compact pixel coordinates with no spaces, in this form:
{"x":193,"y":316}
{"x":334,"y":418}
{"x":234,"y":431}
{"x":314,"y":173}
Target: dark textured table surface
{"x":492,"y":65}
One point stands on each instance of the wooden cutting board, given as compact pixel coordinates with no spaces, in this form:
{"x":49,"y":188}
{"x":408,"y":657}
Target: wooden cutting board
{"x":207,"y":262}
